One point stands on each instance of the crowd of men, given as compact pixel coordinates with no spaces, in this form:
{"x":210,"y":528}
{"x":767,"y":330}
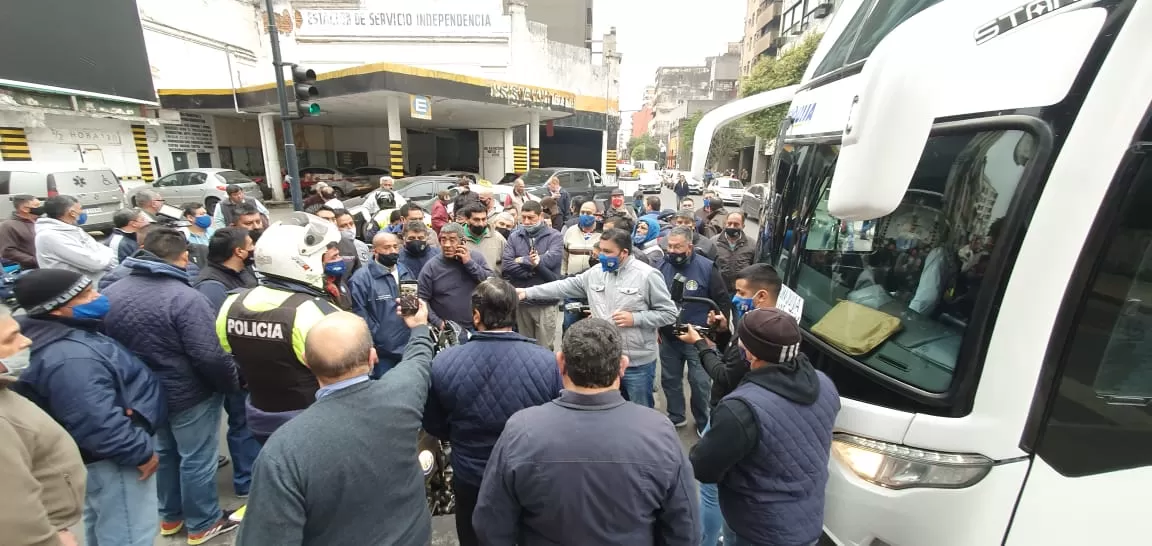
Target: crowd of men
{"x":298,"y":331}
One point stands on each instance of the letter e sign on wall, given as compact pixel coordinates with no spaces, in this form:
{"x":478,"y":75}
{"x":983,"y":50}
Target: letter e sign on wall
{"x":421,"y":107}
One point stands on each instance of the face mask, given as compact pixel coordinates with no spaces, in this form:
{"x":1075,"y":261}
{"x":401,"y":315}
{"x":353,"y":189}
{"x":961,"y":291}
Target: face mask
{"x":95,"y":309}
{"x":504,"y":231}
{"x":732,"y":232}
{"x":617,"y":202}
{"x":587,"y":220}
{"x":250,"y":259}
{"x":335,"y":269}
{"x":17,"y":363}
{"x":534,"y":228}
{"x":707,"y":203}
{"x":82,"y":218}
{"x":347,"y":234}
{"x":38,"y":211}
{"x":477,"y":230}
{"x":203,"y":221}
{"x":387,"y":260}
{"x":416,"y":248}
{"x":678,"y":258}
{"x":742,"y":305}
{"x":255,"y":234}
{"x":609,"y":263}
{"x":638,"y":239}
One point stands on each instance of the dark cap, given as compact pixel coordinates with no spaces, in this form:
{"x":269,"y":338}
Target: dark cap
{"x":618,"y":191}
{"x":770,"y":335}
{"x":41,"y":291}
{"x":233,"y":189}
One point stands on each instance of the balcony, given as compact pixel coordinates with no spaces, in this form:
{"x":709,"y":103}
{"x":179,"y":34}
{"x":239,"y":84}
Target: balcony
{"x":765,"y":15}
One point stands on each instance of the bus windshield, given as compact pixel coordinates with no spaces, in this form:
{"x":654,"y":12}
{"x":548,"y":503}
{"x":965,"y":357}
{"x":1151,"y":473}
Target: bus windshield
{"x":897,"y":293}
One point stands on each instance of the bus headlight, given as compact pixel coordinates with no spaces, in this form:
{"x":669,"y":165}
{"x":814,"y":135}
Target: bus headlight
{"x":901,"y":467}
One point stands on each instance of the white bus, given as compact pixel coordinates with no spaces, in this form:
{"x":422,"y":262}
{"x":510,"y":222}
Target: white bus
{"x":964,"y":201}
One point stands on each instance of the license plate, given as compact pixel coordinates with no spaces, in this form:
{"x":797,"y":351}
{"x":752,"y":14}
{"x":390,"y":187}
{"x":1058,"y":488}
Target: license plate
{"x":94,"y":210}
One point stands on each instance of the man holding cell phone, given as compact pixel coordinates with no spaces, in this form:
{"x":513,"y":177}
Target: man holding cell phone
{"x":375,"y":290}
{"x":447,"y":282}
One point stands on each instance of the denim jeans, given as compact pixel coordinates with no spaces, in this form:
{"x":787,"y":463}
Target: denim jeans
{"x":636,"y":385}
{"x":241,"y":445}
{"x":119,"y":509}
{"x":673,"y":354}
{"x":186,"y":480}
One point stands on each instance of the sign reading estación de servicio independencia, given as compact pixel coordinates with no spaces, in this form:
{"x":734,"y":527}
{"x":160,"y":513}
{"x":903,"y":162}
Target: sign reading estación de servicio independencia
{"x":407,"y":19}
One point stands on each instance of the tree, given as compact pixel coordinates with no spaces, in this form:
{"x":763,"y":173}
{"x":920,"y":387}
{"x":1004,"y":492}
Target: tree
{"x":771,"y":73}
{"x":643,"y":148}
{"x":726,"y":141}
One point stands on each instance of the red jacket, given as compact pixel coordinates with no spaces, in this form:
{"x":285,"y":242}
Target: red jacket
{"x":439,"y":216}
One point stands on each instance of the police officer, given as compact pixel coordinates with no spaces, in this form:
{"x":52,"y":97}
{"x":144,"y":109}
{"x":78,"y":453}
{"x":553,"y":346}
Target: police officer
{"x":264,"y":327}
{"x":385,"y":202}
{"x":701,"y":279}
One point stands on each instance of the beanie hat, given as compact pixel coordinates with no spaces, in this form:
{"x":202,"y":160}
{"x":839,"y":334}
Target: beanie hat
{"x":770,"y":335}
{"x":41,"y":291}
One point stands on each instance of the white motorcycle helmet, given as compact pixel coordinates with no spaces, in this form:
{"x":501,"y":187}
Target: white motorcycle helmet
{"x":293,"y":249}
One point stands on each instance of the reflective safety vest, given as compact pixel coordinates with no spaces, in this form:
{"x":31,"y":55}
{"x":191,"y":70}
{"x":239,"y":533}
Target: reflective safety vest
{"x":264,"y":328}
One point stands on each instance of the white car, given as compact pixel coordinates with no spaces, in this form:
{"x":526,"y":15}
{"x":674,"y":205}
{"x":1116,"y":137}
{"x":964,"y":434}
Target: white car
{"x":206,"y":186}
{"x":695,"y":187}
{"x":649,"y":183}
{"x":730,"y":190}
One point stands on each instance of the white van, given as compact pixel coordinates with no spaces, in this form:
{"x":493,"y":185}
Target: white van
{"x":96,"y":186}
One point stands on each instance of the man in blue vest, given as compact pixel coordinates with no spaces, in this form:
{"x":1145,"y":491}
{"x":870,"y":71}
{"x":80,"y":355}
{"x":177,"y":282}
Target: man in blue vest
{"x":768,"y":444}
{"x":375,"y":289}
{"x":701,"y":279}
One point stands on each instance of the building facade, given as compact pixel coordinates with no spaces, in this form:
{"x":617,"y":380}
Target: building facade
{"x":761,"y":32}
{"x":569,"y":21}
{"x":800,"y":18}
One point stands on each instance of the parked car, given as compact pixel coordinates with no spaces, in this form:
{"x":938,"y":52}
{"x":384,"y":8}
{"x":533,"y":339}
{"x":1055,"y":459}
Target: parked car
{"x":345,"y":182}
{"x":584,"y":183}
{"x":207,"y":186}
{"x":455,"y":174}
{"x":422,"y":189}
{"x":509,"y":178}
{"x":695,"y":186}
{"x":649,"y":183}
{"x":730,"y":190}
{"x":372,"y":171}
{"x":754,"y":198}
{"x":625,"y":171}
{"x":95,"y":186}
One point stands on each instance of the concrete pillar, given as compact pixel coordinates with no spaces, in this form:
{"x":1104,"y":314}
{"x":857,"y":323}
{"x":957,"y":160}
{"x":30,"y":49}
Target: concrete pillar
{"x":267,"y":125}
{"x":395,"y":140}
{"x":534,"y":140}
{"x":519,"y":149}
{"x":758,"y":162}
{"x":510,"y":152}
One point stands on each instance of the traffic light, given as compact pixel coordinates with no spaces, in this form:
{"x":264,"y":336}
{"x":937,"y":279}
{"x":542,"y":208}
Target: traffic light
{"x":303,"y":81}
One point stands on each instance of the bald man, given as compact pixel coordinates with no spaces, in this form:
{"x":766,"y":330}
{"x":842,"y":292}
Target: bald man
{"x":344,"y":472}
{"x":374,"y":289}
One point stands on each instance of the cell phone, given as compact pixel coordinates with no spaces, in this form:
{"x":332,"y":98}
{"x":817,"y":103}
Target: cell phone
{"x":531,"y":245}
{"x":409,"y":304}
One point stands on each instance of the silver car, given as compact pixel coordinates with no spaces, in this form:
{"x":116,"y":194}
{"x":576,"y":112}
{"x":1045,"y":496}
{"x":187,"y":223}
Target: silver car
{"x":205,"y":186}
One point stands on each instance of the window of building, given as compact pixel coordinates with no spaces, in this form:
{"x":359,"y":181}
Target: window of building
{"x":1100,"y":419}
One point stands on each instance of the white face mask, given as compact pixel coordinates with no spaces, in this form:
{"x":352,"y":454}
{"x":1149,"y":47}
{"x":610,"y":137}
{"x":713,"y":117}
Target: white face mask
{"x":17,"y":363}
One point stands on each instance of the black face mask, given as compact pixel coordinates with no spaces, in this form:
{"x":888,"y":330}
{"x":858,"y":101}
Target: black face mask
{"x":504,"y":231}
{"x":250,"y":260}
{"x":255,"y":234}
{"x":387,"y":260}
{"x":38,"y":211}
{"x":732,"y":232}
{"x":416,"y":248}
{"x":477,"y":230}
{"x":678,"y":259}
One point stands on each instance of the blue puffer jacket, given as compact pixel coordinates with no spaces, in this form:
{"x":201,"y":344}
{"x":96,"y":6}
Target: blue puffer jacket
{"x":477,"y":386}
{"x":156,"y":314}
{"x":122,"y":270}
{"x":86,"y":380}
{"x":374,"y":292}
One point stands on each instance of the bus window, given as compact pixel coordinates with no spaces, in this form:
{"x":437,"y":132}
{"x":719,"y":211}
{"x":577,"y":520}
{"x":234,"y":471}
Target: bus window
{"x":922,"y":265}
{"x":1100,"y":419}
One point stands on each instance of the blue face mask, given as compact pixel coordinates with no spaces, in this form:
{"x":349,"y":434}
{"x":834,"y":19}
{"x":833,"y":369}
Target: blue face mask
{"x":609,"y":263}
{"x":707,"y":203}
{"x":742,"y":305}
{"x":82,"y":218}
{"x":335,"y":269}
{"x":638,"y":239}
{"x":95,"y":309}
{"x":587,"y":220}
{"x":203,"y":221}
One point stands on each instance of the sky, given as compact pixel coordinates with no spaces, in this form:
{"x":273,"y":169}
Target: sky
{"x":655,"y":33}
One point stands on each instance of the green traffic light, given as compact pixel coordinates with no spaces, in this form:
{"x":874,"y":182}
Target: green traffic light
{"x":313,"y":109}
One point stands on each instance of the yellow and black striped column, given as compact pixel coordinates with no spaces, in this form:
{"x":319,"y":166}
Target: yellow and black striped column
{"x":396,"y":157}
{"x":14,"y":144}
{"x":534,"y":158}
{"x":610,"y":162}
{"x":140,"y":137}
{"x":520,"y":158}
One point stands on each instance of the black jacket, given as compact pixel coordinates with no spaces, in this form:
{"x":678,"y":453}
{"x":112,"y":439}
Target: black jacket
{"x":216,"y":281}
{"x":724,"y":364}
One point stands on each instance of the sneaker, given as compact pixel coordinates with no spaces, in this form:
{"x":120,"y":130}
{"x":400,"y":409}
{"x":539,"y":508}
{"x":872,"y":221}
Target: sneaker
{"x":223,"y":526}
{"x":169,"y":528}
{"x":680,"y":424}
{"x":222,"y":461}
{"x":243,"y":495}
